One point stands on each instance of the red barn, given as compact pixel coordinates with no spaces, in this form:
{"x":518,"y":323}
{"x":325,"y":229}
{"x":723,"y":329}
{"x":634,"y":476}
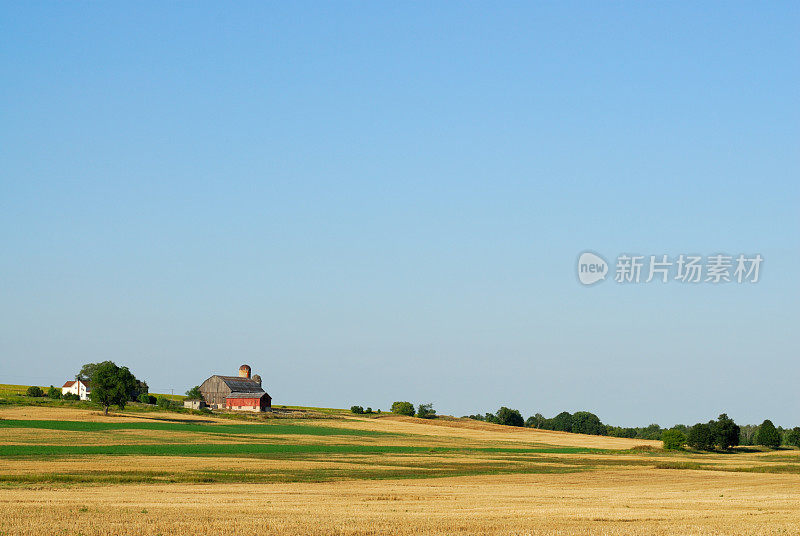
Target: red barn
{"x":247,"y":401}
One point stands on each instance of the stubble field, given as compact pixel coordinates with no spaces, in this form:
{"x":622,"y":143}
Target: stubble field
{"x":75,"y":471}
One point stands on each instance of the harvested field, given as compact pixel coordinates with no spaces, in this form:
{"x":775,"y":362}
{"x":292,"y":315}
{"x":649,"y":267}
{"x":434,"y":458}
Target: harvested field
{"x":609,"y":502}
{"x":77,"y":471}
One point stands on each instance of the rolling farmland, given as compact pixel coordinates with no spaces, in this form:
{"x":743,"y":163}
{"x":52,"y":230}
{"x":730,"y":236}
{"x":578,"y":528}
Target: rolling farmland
{"x":64,"y":470}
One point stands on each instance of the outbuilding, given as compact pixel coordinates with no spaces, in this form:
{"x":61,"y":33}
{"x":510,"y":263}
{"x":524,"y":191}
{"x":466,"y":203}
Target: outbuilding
{"x":194,"y":404}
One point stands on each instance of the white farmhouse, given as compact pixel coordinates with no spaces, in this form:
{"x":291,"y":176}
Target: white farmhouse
{"x":77,"y":387}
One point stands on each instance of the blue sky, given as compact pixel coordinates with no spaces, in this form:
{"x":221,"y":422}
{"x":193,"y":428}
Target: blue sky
{"x":370,"y":202}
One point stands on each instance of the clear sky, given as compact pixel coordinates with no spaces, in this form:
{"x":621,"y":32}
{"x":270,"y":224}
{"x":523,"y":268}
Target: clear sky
{"x":379,"y":201}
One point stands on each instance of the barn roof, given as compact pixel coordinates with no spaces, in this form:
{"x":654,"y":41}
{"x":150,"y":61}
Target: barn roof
{"x":235,"y":394}
{"x":242,"y":385}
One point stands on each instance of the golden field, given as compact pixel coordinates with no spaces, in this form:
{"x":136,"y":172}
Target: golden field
{"x":608,"y":502}
{"x":76,"y":471}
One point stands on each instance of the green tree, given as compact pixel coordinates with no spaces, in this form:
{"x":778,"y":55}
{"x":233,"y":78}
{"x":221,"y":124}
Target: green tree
{"x":358,"y":410}
{"x":725,"y":431}
{"x":509,"y":417}
{"x":403,"y":408}
{"x":140,"y":389}
{"x":793,"y":436}
{"x":133,"y":388}
{"x":535,"y":421}
{"x":700,"y":437}
{"x":651,"y":431}
{"x":426,"y":411}
{"x":491,"y":417}
{"x":673,"y":439}
{"x":616,"y":431}
{"x":767,"y":435}
{"x":584,"y":422}
{"x":145,"y":398}
{"x":54,"y":393}
{"x":87,"y":371}
{"x":562,"y":422}
{"x":112,"y":385}
{"x":194,"y":393}
{"x":34,"y":391}
{"x":747,"y":434}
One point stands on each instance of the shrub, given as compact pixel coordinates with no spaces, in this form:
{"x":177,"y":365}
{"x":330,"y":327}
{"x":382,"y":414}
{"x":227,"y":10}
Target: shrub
{"x":146,"y":398}
{"x":166,"y":403}
{"x":673,"y":439}
{"x":767,"y":435}
{"x":34,"y":392}
{"x":700,"y":437}
{"x":403,"y":408}
{"x":368,"y":411}
{"x":509,"y":417}
{"x":70,"y":396}
{"x":54,"y":393}
{"x":793,"y":436}
{"x":358,"y":410}
{"x":426,"y":411}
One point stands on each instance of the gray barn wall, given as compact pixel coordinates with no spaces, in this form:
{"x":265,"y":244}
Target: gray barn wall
{"x":214,"y":391}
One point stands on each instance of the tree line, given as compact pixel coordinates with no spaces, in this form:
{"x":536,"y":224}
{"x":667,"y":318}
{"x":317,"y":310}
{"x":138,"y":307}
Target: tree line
{"x":422,"y":411}
{"x":721,"y":433}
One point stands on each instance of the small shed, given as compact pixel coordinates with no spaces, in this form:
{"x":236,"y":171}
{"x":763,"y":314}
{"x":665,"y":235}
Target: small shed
{"x":194,"y":404}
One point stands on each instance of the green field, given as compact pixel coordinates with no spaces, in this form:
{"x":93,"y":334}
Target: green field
{"x":246,"y":429}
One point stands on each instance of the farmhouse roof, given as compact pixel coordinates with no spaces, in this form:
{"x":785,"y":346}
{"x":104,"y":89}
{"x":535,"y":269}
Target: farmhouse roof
{"x":73,"y":382}
{"x":242,"y":385}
